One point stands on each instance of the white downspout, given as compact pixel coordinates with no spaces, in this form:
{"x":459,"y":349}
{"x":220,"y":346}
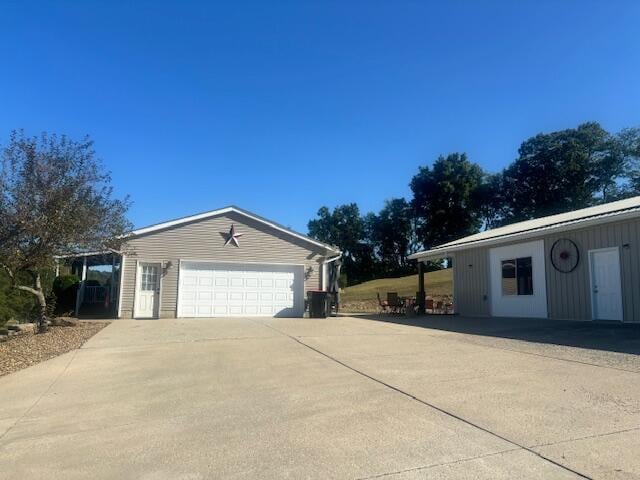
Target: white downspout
{"x":325,"y":270}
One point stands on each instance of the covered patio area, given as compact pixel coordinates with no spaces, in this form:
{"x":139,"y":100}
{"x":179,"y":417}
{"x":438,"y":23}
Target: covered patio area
{"x":426,"y":305}
{"x":99,"y":288}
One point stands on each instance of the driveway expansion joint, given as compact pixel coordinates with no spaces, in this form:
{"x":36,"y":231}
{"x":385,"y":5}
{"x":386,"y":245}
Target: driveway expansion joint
{"x":440,"y":464}
{"x":430,"y":405}
{"x":42,"y":395}
{"x":587,"y":437}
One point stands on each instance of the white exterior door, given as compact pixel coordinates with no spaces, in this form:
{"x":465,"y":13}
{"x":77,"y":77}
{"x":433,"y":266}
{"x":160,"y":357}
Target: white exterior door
{"x":222,"y":290}
{"x":147,"y":290}
{"x":518,"y":280}
{"x":606,"y":289}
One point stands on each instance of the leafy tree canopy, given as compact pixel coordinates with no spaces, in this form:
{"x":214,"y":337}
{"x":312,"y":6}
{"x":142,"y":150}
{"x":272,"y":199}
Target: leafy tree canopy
{"x":55,"y":198}
{"x":444,"y":199}
{"x":566,"y":170}
{"x":392,"y":234}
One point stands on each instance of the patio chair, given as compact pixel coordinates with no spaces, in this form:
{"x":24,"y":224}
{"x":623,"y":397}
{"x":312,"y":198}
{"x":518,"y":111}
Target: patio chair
{"x":410,"y":306}
{"x":393,"y":301}
{"x":383,"y":305}
{"x":439,"y":307}
{"x":428,"y":305}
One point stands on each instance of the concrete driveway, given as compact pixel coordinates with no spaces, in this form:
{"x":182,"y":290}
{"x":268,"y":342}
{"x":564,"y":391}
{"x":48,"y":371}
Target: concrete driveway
{"x":350,"y":397}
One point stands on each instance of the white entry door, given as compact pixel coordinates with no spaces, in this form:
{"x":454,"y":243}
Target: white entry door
{"x":147,"y":290}
{"x":227,"y":289}
{"x":606,"y":289}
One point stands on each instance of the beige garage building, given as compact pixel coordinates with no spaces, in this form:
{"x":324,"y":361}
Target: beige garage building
{"x":581,"y":265}
{"x":225,"y":262}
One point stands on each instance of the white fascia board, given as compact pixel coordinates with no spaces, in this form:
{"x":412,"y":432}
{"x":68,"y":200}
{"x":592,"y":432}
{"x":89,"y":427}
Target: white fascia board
{"x":222,"y":211}
{"x":86,"y":254}
{"x":179,"y":221}
{"x":447,"y":251}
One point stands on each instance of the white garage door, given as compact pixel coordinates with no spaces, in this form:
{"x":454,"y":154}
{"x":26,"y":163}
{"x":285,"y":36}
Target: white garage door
{"x":222,"y":290}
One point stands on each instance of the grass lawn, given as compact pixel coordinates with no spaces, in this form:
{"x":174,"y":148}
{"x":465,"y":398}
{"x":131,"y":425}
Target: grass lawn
{"x":362,"y":297}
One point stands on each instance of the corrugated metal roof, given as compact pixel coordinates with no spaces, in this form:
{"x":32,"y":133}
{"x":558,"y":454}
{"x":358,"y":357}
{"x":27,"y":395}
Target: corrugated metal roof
{"x":575,"y":219}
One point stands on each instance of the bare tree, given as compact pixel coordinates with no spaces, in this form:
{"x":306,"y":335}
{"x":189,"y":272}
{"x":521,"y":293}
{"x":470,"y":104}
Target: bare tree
{"x":55,"y":199}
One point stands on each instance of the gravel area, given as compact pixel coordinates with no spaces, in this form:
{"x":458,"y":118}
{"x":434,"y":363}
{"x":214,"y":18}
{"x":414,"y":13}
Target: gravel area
{"x":28,"y":349}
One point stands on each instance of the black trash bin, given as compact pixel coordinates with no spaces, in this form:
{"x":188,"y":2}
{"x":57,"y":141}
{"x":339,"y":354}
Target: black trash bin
{"x":318,"y":303}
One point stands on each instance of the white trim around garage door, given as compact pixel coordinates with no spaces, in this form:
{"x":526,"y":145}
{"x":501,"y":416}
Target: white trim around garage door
{"x":214,"y":263}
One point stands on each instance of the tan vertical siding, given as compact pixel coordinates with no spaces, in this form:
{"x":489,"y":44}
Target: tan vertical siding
{"x":471,"y":277}
{"x":203,"y":240}
{"x":568,"y":294}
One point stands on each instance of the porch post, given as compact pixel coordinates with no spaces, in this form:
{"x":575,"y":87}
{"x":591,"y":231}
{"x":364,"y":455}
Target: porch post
{"x":83,"y":277}
{"x":112,"y":285}
{"x":84,"y":268}
{"x":421,"y":293}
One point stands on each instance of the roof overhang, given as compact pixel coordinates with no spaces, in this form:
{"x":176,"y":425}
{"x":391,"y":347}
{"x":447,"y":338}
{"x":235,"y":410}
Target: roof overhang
{"x":449,"y":250}
{"x":87,"y":254}
{"x":231,"y":209}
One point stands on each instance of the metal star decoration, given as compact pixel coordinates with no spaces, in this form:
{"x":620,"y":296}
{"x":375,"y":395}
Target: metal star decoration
{"x":232,"y":237}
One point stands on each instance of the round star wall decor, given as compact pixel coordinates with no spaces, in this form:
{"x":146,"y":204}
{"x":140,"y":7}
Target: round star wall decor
{"x":232,"y":237}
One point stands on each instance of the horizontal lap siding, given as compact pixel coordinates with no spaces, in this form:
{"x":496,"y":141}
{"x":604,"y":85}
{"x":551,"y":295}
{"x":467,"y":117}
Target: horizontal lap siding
{"x":471,"y":277}
{"x":569,"y":294}
{"x":203,"y":240}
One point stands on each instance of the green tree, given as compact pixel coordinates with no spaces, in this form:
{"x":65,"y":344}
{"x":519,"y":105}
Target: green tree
{"x":444,"y":199}
{"x":629,"y":141}
{"x":565,"y":170}
{"x":14,"y":304}
{"x":344,"y":227}
{"x":55,"y":198}
{"x":489,"y":202}
{"x":392,"y":235}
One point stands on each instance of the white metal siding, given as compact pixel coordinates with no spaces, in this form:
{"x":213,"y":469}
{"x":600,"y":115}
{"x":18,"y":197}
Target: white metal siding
{"x":568,"y":294}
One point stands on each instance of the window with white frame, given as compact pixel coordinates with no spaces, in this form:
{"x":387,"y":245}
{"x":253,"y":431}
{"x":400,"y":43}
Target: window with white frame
{"x":517,"y":276}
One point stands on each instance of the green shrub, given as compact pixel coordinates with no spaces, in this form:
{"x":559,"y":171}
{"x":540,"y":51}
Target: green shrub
{"x":14,"y":304}
{"x":65,"y":288}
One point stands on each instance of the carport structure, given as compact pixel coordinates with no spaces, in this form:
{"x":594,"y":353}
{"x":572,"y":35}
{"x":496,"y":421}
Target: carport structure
{"x":99,"y":288}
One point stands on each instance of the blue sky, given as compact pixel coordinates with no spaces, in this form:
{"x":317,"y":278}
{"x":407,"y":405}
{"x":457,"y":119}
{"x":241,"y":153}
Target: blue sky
{"x":281,"y":107}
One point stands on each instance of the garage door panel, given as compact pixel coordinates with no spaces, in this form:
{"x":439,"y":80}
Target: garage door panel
{"x":220,"y":310}
{"x":210,"y":289}
{"x":282,"y":298}
{"x":251,"y":297}
{"x":204,"y":296}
